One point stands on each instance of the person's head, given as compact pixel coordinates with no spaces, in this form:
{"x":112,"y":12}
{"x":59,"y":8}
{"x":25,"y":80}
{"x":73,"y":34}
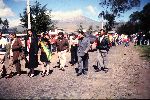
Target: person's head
{"x":12,"y":35}
{"x":81,"y":34}
{"x":29,"y":32}
{"x":102,"y":32}
{"x":47,"y":36}
{"x":60,"y":35}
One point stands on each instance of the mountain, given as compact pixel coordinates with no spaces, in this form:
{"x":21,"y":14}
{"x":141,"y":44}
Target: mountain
{"x":72,"y":24}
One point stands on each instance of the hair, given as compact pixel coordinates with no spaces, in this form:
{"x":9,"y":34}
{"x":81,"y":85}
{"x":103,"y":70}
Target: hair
{"x":61,"y":33}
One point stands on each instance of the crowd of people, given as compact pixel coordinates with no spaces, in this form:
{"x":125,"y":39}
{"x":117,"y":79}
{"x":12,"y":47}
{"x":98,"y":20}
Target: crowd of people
{"x":77,"y":44}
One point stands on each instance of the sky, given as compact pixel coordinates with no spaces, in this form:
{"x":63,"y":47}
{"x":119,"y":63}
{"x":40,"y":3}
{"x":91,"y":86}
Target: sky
{"x":61,"y":9}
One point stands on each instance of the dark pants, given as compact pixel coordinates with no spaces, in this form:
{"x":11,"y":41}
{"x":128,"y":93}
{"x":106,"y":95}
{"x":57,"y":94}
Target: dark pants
{"x":18,"y":66}
{"x":74,"y":57}
{"x":83,"y":63}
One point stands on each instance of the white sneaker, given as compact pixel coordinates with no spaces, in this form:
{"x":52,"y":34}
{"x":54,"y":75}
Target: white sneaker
{"x":32,"y":75}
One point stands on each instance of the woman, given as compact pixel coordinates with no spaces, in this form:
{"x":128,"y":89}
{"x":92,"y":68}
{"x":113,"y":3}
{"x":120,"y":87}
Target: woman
{"x":31,"y":45}
{"x":45,"y":54}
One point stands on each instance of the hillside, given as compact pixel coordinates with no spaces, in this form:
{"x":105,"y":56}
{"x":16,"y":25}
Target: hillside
{"x":72,"y":24}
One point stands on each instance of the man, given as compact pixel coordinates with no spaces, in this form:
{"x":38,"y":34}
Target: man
{"x":3,"y":43}
{"x":83,"y":48}
{"x":31,"y":45}
{"x":62,"y":47}
{"x":16,"y":48}
{"x":102,"y":49}
{"x":73,"y":49}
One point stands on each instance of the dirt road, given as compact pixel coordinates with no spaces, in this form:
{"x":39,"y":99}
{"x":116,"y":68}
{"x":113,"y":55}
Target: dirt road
{"x":128,"y":78}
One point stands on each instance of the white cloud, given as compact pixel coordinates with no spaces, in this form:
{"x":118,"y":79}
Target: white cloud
{"x":4,"y":10}
{"x":91,"y":9}
{"x":60,"y":15}
{"x":14,"y":22}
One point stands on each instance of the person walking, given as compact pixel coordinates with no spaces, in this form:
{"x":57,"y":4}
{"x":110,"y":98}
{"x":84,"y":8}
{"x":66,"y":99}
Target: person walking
{"x":16,"y":47}
{"x":73,"y":49}
{"x":31,"y":45}
{"x":46,"y":54}
{"x":83,"y":56}
{"x":62,"y":47}
{"x":102,"y":50}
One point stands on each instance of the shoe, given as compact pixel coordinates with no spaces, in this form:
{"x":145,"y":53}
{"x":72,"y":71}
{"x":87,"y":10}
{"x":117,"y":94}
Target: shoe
{"x":78,"y":74}
{"x":62,"y":69}
{"x":72,"y":64}
{"x":47,"y":74}
{"x":18,"y":74}
{"x":84,"y":72}
{"x":32,"y":75}
{"x":97,"y":70}
{"x":42,"y":73}
{"x":9,"y":76}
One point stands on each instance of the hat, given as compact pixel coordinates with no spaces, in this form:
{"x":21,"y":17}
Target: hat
{"x":60,"y":33}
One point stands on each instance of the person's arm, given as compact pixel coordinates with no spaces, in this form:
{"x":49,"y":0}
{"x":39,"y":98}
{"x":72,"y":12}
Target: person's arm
{"x":88,"y":46}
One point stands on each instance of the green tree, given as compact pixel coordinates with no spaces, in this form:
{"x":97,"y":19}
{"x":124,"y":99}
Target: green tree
{"x":40,"y":20}
{"x":5,"y":26}
{"x":113,"y":8}
{"x":119,"y":6}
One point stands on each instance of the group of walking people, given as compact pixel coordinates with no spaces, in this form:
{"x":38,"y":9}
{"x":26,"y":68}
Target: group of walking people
{"x":78,"y":45}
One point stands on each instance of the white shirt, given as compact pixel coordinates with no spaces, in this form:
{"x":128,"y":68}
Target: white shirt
{"x":3,"y":42}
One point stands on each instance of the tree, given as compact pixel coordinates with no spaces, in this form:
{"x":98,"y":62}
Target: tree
{"x":5,"y":26}
{"x":110,"y":21}
{"x":113,"y":8}
{"x":119,"y":6}
{"x":40,"y":20}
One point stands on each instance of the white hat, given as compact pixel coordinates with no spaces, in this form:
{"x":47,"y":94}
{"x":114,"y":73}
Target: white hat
{"x":84,"y":30}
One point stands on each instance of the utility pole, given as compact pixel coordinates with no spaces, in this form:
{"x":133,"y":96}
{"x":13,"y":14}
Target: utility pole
{"x":28,"y":13}
{"x":102,"y":19}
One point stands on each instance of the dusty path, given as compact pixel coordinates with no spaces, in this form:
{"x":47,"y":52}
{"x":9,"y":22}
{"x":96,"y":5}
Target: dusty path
{"x":128,"y":77}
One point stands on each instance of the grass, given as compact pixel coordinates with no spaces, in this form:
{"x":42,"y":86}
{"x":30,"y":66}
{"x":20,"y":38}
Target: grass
{"x":145,"y":51}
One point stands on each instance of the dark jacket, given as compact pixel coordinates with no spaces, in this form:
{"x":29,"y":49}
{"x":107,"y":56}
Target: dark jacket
{"x":43,"y":56}
{"x":16,"y":49}
{"x":62,"y":44}
{"x":33,"y":51}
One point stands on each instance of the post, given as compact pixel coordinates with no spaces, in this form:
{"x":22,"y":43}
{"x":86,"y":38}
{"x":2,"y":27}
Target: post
{"x":102,"y":21}
{"x":28,"y":13}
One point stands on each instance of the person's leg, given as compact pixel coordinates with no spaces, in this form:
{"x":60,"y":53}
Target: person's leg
{"x":99,"y":61}
{"x":85,"y":64}
{"x":80,"y":65}
{"x":18,"y":67}
{"x":48,"y":68}
{"x":43,"y":68}
{"x":72,"y":54}
{"x":63,"y":59}
{"x":76,"y":56}
{"x":32,"y":72}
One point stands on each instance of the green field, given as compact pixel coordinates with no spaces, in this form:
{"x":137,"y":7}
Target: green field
{"x":145,"y":51}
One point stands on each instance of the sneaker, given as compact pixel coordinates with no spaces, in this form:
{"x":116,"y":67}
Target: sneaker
{"x":78,"y":74}
{"x":18,"y":74}
{"x":62,"y":69}
{"x":32,"y":75}
{"x":47,"y":74}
